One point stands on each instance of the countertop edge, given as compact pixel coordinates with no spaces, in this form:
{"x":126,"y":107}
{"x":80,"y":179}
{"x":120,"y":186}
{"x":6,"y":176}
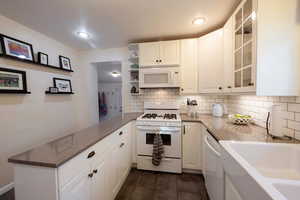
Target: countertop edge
{"x":14,"y":160}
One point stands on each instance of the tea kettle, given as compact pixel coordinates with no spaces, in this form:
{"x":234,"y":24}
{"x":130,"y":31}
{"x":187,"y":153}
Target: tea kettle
{"x":217,"y":110}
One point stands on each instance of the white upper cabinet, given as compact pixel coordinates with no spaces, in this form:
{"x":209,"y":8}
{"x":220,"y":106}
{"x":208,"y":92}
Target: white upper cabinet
{"x":278,"y":48}
{"x":210,"y":62}
{"x":189,"y":67}
{"x":170,"y":52}
{"x":228,"y":57}
{"x":164,"y":53}
{"x":244,"y":48}
{"x":149,"y":53}
{"x":266,"y":48}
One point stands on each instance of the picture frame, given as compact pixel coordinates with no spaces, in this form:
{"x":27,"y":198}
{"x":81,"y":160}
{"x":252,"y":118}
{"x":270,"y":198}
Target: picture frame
{"x":12,"y":81}
{"x":63,"y":85}
{"x":16,"y":48}
{"x":65,"y":63}
{"x":43,"y":58}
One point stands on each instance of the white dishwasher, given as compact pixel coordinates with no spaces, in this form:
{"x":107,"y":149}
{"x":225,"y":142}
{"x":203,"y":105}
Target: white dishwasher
{"x":213,"y":169}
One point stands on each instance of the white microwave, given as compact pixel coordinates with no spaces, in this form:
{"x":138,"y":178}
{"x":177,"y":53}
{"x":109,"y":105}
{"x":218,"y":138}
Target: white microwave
{"x":166,"y":77}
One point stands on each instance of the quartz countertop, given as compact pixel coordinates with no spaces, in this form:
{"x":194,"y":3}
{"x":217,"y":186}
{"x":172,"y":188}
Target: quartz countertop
{"x":222,"y":129}
{"x":57,"y":152}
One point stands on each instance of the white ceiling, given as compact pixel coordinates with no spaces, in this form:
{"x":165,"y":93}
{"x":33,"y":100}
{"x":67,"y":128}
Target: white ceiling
{"x":104,"y":72}
{"x":113,"y":23}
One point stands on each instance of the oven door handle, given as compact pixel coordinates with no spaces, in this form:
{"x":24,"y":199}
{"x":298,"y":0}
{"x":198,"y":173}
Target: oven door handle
{"x":173,"y":129}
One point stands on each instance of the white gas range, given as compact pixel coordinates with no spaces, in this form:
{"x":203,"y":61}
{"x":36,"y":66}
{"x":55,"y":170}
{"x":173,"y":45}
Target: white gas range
{"x":163,"y":119}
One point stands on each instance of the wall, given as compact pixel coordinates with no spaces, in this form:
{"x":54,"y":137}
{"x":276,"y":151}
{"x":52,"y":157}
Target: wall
{"x":258,"y":107}
{"x":29,"y":120}
{"x":88,"y":99}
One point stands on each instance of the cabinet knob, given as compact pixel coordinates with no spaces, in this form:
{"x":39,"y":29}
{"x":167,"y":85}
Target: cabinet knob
{"x":220,"y":88}
{"x":156,"y":61}
{"x":121,"y":133}
{"x":95,"y":171}
{"x":250,"y":84}
{"x":91,"y":154}
{"x":229,"y":87}
{"x":122,"y":144}
{"x":160,"y":60}
{"x":182,"y":89}
{"x":91,"y":175}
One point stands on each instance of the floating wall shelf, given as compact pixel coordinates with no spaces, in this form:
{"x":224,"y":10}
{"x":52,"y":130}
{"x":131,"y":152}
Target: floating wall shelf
{"x":14,"y":92}
{"x":47,"y":92}
{"x":35,"y":63}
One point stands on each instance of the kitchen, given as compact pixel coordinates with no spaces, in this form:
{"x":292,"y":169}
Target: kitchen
{"x":201,"y":106}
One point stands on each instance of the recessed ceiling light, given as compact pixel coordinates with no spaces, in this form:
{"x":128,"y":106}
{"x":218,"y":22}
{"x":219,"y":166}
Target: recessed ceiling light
{"x":83,"y":35}
{"x":199,"y":21}
{"x":115,"y":74}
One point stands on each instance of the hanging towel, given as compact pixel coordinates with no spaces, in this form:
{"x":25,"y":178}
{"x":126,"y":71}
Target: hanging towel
{"x":158,"y":150}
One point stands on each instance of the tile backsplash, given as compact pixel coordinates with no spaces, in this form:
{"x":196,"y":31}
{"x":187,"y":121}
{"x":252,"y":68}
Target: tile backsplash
{"x":256,"y":106}
{"x":172,"y":95}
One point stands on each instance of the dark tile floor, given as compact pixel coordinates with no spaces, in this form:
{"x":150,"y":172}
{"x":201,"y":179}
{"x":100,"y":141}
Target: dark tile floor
{"x":8,"y":196}
{"x":144,"y":185}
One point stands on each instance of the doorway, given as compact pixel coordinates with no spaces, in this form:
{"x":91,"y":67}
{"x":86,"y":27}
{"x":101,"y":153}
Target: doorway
{"x":109,"y":89}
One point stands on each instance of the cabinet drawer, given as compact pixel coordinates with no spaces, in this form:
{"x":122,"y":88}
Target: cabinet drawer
{"x":74,"y":167}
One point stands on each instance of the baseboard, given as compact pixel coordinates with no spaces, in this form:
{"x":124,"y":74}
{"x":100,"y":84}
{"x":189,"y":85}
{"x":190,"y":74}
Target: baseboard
{"x":6,"y":188}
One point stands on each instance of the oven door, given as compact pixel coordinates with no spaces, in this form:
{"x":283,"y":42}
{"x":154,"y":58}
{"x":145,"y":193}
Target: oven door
{"x":159,"y":77}
{"x":171,"y":137}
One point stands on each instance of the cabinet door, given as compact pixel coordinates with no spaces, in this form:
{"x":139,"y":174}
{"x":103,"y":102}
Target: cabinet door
{"x":228,"y":57}
{"x":189,"y":67}
{"x":170,"y":52}
{"x":115,"y":171}
{"x":78,"y":189}
{"x":210,"y":62}
{"x":149,"y":53}
{"x":99,"y":182}
{"x":192,"y":146}
{"x":244,"y":48}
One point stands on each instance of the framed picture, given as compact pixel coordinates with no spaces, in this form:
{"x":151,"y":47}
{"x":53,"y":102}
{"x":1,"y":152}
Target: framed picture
{"x":43,"y":58}
{"x":16,"y":48}
{"x":63,"y":85}
{"x":65,"y":63}
{"x":12,"y":81}
{"x":53,"y":89}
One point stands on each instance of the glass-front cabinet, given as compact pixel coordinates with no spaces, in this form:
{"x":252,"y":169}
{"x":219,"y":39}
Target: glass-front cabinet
{"x":245,"y":46}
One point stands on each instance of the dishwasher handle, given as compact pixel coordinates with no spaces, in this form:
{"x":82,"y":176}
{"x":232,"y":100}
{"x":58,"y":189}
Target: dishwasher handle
{"x":211,"y":147}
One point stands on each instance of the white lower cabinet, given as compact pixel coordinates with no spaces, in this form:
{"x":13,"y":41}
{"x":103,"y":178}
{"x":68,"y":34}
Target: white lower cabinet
{"x":99,"y":181}
{"x":192,"y":146}
{"x":77,"y":189}
{"x":95,"y":174}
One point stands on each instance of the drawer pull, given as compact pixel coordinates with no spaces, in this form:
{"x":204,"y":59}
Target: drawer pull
{"x":121,"y":133}
{"x":122,"y":144}
{"x":95,"y":171}
{"x":91,"y":175}
{"x":91,"y":154}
